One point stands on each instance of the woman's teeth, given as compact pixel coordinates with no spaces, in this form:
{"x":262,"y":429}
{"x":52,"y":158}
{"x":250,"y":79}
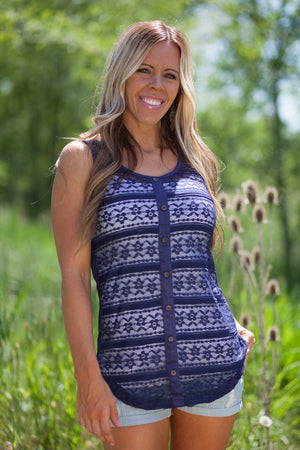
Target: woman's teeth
{"x":151,"y":101}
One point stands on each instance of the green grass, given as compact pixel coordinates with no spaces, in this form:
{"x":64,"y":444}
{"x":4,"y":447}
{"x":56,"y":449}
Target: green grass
{"x":37,"y":387}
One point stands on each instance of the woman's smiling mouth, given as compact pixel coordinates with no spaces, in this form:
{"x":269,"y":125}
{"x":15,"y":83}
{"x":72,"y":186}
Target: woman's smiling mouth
{"x":151,"y":102}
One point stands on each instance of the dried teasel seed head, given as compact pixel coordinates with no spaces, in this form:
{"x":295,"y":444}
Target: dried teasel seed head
{"x":273,"y":288}
{"x":256,"y":255}
{"x":223,"y":200}
{"x":271,"y":195}
{"x":234,"y":223}
{"x":236,"y":244}
{"x":273,"y":334}
{"x":246,"y":260}
{"x":250,"y":191}
{"x":245,"y":320}
{"x":238,"y":203}
{"x":259,"y":214}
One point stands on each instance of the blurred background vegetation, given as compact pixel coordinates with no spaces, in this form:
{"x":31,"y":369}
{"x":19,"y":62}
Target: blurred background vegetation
{"x":247,"y":74}
{"x":247,"y":77}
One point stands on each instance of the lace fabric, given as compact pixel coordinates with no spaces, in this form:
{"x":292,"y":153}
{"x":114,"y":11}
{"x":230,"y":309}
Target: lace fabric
{"x":167,"y":337}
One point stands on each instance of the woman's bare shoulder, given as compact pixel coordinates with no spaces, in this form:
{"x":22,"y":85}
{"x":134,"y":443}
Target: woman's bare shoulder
{"x":73,"y":152}
{"x":75,"y":160}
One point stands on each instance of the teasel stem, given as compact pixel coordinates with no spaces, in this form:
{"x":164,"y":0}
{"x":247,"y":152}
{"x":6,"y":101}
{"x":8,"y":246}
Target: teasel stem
{"x":262,"y":439}
{"x":232,"y":276}
{"x":261,"y":321}
{"x":271,"y":233}
{"x":250,"y":281}
{"x":274,"y":369}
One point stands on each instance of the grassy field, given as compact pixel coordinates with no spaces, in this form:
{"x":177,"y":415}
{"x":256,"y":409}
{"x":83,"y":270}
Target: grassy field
{"x":37,"y":388}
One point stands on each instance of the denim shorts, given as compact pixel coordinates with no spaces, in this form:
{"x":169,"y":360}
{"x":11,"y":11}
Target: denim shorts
{"x":227,"y":405}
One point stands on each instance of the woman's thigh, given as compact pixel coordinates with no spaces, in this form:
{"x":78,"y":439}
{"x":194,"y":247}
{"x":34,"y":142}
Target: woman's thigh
{"x":151,"y":436}
{"x":207,"y":425}
{"x":194,"y":432}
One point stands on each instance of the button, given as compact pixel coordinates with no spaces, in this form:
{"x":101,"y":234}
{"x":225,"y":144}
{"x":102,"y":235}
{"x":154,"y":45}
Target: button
{"x":166,"y":274}
{"x":155,"y":179}
{"x":169,"y":308}
{"x":164,"y":240}
{"x":173,"y":373}
{"x":163,"y":207}
{"x":171,"y":339}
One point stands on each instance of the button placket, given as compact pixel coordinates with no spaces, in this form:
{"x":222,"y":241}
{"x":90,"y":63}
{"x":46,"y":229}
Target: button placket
{"x":167,"y":292}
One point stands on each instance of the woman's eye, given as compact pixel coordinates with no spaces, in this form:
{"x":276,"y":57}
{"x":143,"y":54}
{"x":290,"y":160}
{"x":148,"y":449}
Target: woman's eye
{"x":171,"y":76}
{"x":143,"y":70}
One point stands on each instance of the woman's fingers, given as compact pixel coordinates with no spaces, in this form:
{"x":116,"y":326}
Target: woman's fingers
{"x":106,"y":429}
{"x":114,"y":414}
{"x":96,"y":419}
{"x":249,"y":338}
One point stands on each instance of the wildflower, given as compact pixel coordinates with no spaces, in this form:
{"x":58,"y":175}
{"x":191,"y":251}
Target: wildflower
{"x":259,"y":214}
{"x":273,"y":288}
{"x":53,"y":404}
{"x":223,"y":200}
{"x":246,"y":261}
{"x":245,"y":320}
{"x":250,"y":190}
{"x":236,"y":244}
{"x":234,"y":223}
{"x":238,"y":203}
{"x":273,"y":334}
{"x":256,"y":254}
{"x":265,"y":421}
{"x":271,"y":195}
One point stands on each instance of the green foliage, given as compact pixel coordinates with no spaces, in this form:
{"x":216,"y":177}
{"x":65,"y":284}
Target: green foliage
{"x":254,"y":73}
{"x":272,"y":386}
{"x":51,"y":57}
{"x":37,"y":386}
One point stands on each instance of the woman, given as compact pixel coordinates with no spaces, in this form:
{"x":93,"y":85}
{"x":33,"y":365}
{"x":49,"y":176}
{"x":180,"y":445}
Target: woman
{"x":136,"y":202}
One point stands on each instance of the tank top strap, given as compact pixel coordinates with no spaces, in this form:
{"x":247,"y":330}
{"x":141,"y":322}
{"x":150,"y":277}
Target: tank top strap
{"x":92,"y":144}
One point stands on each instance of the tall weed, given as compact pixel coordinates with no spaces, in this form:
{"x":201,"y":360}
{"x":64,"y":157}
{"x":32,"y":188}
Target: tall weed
{"x":255,"y":297}
{"x":37,"y":388}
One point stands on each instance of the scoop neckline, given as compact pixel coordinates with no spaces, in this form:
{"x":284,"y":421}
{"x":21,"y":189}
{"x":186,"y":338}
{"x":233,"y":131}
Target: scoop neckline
{"x":152,"y":177}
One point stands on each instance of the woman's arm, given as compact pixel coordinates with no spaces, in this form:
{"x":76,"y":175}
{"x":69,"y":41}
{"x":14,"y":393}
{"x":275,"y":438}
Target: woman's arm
{"x":95,"y":402}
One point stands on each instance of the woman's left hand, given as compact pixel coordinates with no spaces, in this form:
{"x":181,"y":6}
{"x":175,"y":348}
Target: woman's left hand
{"x":249,"y":338}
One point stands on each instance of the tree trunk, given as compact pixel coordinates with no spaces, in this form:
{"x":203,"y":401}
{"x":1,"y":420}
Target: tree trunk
{"x":280,"y":176}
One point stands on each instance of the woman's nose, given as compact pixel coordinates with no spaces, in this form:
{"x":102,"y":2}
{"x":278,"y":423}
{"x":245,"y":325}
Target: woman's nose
{"x":156,"y":82}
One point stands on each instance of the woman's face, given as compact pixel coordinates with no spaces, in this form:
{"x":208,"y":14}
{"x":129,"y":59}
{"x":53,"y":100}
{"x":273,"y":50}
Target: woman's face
{"x":151,"y":90}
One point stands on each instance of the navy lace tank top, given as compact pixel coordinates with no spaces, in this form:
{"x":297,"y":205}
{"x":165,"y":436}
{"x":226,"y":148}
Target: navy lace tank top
{"x":167,"y":337}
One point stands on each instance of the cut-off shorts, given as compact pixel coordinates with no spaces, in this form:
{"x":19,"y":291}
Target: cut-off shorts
{"x":227,"y":405}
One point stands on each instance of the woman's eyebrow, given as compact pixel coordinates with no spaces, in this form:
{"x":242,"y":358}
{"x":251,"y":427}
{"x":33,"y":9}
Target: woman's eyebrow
{"x":168,"y":68}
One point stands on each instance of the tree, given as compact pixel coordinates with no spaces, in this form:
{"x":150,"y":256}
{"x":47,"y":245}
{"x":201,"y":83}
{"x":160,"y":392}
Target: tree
{"x":259,"y":40}
{"x":50,"y":60}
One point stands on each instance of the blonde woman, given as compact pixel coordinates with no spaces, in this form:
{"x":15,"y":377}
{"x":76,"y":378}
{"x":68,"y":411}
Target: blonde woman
{"x":134,"y":200}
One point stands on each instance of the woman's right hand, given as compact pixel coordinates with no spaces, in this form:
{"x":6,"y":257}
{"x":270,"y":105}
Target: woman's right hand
{"x":96,"y":405}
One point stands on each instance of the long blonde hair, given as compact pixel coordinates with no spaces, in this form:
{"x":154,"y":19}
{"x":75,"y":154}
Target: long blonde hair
{"x":178,"y":126}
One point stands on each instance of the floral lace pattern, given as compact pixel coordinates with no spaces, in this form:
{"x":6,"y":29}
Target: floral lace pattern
{"x":167,"y":337}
